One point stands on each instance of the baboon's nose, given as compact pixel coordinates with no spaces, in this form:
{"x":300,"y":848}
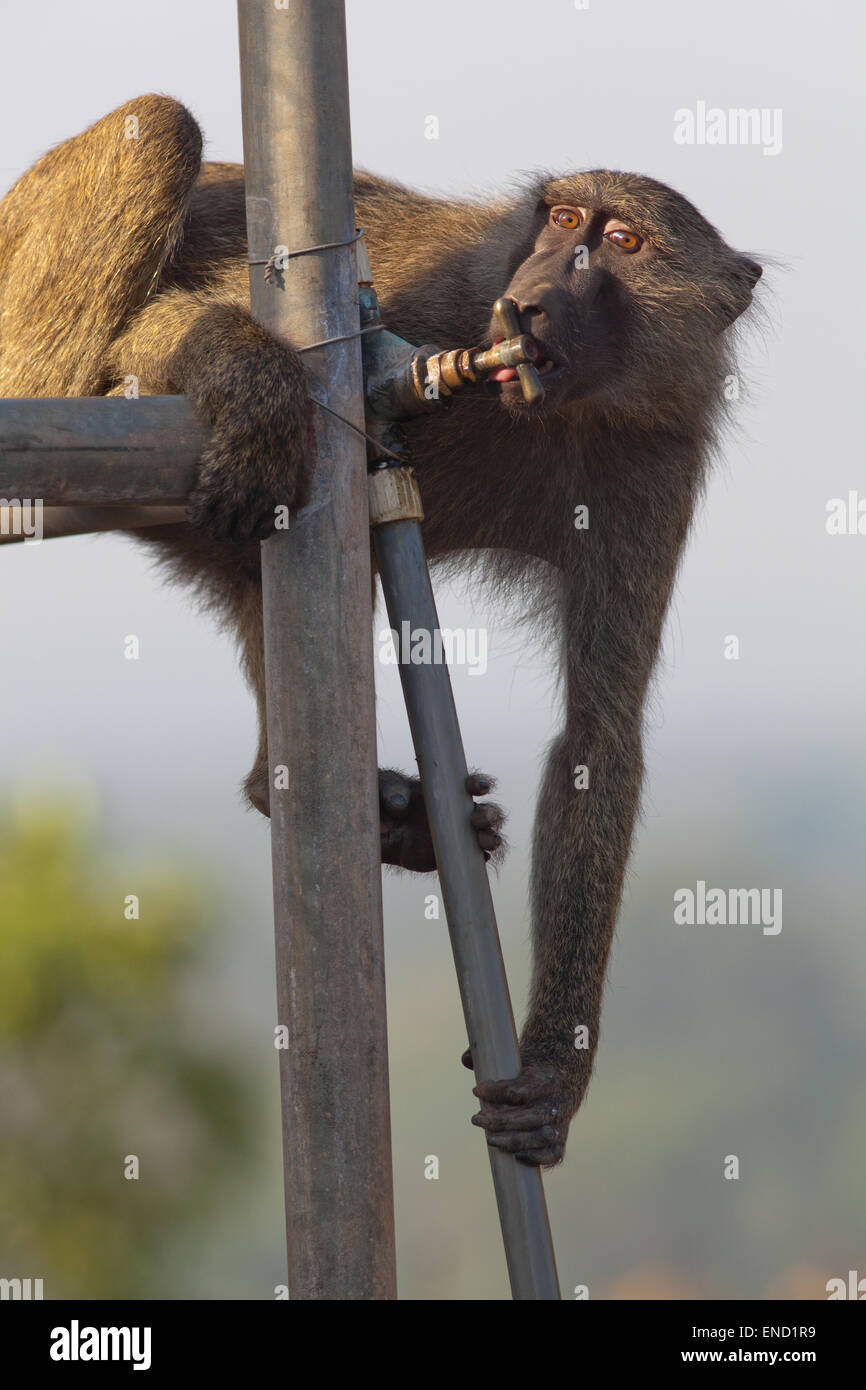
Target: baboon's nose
{"x":532,"y":315}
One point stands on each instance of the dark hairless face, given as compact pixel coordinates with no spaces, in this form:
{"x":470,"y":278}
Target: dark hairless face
{"x":614,"y":266}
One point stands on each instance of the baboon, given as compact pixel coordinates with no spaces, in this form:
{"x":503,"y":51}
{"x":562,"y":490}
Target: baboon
{"x":124,"y":257}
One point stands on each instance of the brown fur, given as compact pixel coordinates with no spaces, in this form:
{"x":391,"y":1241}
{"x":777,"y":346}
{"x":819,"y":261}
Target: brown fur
{"x":118,"y":256}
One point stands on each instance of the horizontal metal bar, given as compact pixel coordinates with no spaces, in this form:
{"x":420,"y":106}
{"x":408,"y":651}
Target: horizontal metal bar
{"x":16,"y":523}
{"x":98,"y":450}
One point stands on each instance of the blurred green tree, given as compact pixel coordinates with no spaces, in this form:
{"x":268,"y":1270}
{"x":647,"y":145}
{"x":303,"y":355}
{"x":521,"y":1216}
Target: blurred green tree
{"x":103,"y":1057}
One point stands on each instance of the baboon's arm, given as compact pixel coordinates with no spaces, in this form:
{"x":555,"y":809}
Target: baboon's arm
{"x":246,"y":386}
{"x":615,"y":592}
{"x":612,"y":615}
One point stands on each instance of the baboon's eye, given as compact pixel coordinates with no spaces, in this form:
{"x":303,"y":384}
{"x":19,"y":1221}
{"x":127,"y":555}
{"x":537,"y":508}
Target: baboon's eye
{"x":623,"y":238}
{"x":567,"y":218}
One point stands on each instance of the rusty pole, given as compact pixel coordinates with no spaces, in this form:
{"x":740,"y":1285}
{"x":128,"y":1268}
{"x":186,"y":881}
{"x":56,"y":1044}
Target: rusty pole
{"x":92,"y":451}
{"x":319,"y":664}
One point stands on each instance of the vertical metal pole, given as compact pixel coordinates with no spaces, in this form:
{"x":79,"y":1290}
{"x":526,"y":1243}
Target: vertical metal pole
{"x":319,"y":664}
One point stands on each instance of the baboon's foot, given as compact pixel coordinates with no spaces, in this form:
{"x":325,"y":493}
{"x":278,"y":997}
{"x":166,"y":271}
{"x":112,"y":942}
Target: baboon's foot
{"x":406,"y":838}
{"x":257,"y":789}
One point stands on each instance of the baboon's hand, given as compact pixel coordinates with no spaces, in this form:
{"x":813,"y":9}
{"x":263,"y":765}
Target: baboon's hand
{"x":529,"y":1116}
{"x":242,"y":484}
{"x":250,"y":390}
{"x":405,"y":831}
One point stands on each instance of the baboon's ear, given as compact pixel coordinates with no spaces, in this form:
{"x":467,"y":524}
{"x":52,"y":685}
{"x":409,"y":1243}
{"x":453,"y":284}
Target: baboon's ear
{"x":742,"y":278}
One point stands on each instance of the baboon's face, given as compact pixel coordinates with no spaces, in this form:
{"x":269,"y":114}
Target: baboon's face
{"x":624,"y":286}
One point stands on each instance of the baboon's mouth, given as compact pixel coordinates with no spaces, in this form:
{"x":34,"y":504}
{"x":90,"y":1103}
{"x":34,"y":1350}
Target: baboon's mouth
{"x":542,"y":364}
